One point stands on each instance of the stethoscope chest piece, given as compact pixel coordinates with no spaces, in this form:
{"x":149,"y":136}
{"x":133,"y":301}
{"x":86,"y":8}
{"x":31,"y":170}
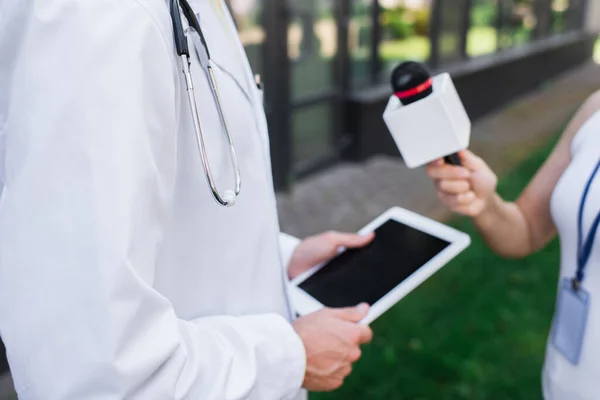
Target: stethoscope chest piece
{"x":229,"y":197}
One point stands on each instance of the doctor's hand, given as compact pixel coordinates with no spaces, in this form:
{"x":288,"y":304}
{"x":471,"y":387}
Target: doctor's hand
{"x":466,"y":189}
{"x":317,"y":249}
{"x":332,"y":339}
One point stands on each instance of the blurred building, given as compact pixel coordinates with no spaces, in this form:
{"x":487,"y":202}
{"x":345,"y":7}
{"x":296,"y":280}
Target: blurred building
{"x":326,"y":63}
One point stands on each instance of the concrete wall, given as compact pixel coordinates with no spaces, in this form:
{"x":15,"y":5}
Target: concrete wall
{"x":592,"y":23}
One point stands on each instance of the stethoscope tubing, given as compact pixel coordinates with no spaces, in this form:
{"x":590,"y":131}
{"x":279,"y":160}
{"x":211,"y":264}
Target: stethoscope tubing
{"x":181,"y":45}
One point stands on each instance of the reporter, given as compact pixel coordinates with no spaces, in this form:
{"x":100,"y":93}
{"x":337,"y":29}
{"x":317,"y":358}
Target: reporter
{"x":563,"y":198}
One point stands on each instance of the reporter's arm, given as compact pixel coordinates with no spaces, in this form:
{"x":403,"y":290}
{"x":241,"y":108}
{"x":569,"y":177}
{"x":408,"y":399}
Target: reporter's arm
{"x":520,"y":228}
{"x":511,"y":229}
{"x":504,"y":228}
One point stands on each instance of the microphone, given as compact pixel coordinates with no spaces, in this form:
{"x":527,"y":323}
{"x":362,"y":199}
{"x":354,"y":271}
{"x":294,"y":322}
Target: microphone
{"x":425,"y":116}
{"x":411,"y":82}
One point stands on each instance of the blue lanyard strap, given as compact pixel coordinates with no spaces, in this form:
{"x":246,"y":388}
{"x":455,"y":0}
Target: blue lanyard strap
{"x":584,"y":251}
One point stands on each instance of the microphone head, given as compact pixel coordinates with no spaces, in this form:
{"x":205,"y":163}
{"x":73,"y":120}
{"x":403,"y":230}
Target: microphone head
{"x":411,"y":82}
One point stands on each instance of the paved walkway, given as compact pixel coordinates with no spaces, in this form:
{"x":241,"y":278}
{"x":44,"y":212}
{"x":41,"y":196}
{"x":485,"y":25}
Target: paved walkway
{"x":348,"y":196}
{"x":6,"y":388}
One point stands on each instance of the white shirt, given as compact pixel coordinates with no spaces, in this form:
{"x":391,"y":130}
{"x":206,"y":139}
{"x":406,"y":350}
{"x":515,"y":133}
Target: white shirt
{"x":120,"y":276}
{"x":561,"y":379}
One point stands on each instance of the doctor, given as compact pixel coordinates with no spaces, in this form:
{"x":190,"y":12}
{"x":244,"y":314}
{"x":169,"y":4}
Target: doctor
{"x":122,"y":276}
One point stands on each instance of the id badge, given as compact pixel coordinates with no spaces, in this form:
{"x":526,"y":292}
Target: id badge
{"x":571,"y":318}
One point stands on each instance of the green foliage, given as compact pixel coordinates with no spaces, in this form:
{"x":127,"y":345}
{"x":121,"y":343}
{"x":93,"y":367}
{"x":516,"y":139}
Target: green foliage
{"x":396,"y":23}
{"x":401,"y":22}
{"x":559,"y":21}
{"x":476,"y":330}
{"x":422,"y":21}
{"x":484,"y":14}
{"x":325,"y":12}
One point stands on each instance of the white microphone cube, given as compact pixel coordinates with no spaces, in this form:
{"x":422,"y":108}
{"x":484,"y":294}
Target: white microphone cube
{"x":431,"y":128}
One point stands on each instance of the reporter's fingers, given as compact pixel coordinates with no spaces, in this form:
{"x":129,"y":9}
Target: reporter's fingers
{"x":436,"y":163}
{"x":455,"y":200}
{"x":447,"y":171}
{"x":453,"y":186}
{"x":472,"y":209}
{"x":471,"y":161}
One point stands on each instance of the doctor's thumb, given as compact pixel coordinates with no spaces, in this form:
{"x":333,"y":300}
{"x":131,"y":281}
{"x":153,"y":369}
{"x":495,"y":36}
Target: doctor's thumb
{"x":353,"y":314}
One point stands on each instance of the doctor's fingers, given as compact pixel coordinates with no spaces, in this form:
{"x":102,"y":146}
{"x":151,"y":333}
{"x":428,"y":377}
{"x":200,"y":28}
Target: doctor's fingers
{"x":343,"y":373}
{"x":354,"y":355}
{"x":366,"y":334}
{"x":351,"y":314}
{"x":355,"y":334}
{"x":349,"y":240}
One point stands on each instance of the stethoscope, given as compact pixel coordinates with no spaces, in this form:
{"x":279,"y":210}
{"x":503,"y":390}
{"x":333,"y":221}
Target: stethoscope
{"x":229,"y":196}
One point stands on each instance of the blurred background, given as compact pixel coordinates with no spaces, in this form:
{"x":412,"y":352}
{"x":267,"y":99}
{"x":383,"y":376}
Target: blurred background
{"x":326,"y":63}
{"x":478,"y":328}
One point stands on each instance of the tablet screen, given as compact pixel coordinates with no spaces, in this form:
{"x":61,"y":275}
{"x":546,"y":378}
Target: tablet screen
{"x":369,"y":273}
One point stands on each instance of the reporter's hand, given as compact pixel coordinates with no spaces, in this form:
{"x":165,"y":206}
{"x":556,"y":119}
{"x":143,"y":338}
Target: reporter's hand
{"x":466,"y":189}
{"x":332,"y":339}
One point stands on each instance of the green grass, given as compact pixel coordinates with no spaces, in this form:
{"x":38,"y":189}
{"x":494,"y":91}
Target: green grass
{"x":476,"y":330}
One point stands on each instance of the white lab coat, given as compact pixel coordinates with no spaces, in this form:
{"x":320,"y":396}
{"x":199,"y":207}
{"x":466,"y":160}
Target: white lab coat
{"x":120,"y":276}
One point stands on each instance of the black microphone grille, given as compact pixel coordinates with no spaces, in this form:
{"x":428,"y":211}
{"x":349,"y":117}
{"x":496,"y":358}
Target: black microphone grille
{"x":408,"y":75}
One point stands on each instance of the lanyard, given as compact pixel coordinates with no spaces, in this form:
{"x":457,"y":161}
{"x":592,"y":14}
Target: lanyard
{"x":585,"y":249}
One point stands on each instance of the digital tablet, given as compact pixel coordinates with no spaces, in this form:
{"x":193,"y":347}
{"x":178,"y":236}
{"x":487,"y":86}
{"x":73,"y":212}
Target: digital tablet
{"x":407,"y":249}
